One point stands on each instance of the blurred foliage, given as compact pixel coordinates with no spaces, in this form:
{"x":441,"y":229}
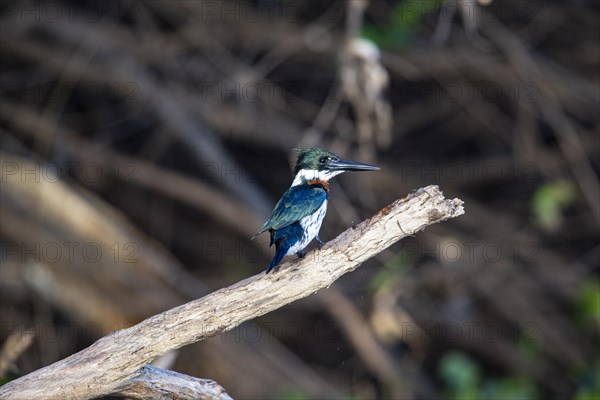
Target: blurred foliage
{"x":293,"y":394}
{"x":189,"y":63}
{"x":589,"y":386}
{"x":299,"y":394}
{"x":549,"y":201}
{"x":588,"y":302}
{"x":461,"y":375}
{"x":509,"y":388}
{"x":7,"y":378}
{"x":530,"y":344}
{"x":403,"y":25}
{"x":390,"y":272}
{"x":463,"y":379}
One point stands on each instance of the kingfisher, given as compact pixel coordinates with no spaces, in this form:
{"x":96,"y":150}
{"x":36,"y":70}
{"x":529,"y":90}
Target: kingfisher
{"x":297,"y":217}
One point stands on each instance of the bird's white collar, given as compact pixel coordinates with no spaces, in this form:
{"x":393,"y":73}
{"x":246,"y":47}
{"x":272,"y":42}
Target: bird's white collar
{"x":305,"y":175}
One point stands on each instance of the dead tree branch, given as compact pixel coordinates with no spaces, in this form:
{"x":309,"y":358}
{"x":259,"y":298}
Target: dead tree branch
{"x":114,"y":362}
{"x":151,"y":382}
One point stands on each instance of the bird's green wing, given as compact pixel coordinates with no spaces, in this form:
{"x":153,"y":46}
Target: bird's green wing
{"x":295,"y":204}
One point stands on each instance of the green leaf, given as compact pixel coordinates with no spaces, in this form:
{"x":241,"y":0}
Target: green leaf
{"x":530,"y":342}
{"x":549,"y":201}
{"x":391,"y":272}
{"x":409,"y":13}
{"x":293,"y":394}
{"x":512,"y":388}
{"x":459,"y":372}
{"x":402,"y":28}
{"x":588,"y":300}
{"x":589,"y":383}
{"x":9,"y":376}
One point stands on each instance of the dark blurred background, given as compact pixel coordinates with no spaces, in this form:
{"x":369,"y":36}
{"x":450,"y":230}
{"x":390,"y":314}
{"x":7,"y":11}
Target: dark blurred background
{"x":144,"y":143}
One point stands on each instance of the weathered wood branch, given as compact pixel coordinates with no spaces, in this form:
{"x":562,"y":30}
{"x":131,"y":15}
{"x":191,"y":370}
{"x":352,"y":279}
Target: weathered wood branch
{"x":106,"y":366}
{"x":151,"y":382}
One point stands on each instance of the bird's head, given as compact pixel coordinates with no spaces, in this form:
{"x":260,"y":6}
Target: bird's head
{"x":321,"y":164}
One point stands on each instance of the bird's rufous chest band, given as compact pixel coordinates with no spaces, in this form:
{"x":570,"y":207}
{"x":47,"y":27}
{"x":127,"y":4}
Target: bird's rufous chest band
{"x":321,"y":182}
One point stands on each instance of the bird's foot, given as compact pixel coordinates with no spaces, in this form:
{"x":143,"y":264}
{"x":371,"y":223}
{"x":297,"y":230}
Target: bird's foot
{"x":300,"y":254}
{"x":320,"y":243}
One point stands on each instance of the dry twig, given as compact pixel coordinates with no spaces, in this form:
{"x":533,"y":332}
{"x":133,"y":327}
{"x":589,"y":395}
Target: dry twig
{"x":151,"y":382}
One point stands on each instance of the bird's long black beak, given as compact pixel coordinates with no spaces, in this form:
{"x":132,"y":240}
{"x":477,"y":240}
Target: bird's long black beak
{"x":347,"y":165}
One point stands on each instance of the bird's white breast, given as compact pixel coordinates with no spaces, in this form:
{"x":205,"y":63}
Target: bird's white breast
{"x":311,"y":225}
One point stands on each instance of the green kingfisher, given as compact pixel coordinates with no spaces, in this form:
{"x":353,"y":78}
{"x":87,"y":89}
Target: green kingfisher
{"x":297,"y":217}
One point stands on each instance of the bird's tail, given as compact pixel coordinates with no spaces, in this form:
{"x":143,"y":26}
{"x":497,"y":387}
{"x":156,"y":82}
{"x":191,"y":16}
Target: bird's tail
{"x":257,"y":234}
{"x":279,"y":254}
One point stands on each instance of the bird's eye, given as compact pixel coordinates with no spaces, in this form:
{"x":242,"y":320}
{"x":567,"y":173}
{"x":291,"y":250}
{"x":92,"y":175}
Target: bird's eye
{"x":323,"y":160}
